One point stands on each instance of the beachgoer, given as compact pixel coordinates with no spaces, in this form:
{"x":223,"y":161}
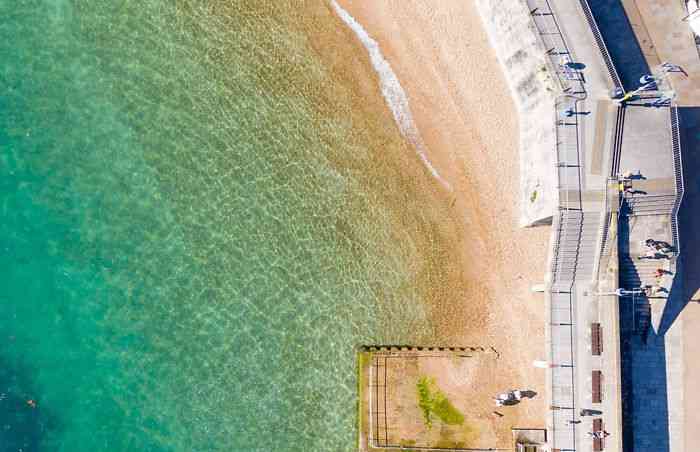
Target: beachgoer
{"x":646,"y":290}
{"x":659,"y":245}
{"x":658,"y":288}
{"x":506,"y":402}
{"x":648,"y":255}
{"x":662,"y":246}
{"x":630,"y":190}
{"x":571,"y":422}
{"x":599,"y":434}
{"x":659,"y":273}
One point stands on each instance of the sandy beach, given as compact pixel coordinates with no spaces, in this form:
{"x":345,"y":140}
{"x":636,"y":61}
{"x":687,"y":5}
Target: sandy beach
{"x":462,"y":107}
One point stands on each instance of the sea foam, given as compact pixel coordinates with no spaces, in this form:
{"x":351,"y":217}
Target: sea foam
{"x":393,"y":92}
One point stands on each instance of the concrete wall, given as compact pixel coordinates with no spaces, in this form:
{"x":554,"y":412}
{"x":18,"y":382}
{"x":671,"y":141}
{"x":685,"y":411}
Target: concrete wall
{"x":517,"y":46}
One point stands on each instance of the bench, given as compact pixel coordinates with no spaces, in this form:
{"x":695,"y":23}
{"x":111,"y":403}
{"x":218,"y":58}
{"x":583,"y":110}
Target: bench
{"x":596,"y":339}
{"x":597,"y":377}
{"x":598,"y":442}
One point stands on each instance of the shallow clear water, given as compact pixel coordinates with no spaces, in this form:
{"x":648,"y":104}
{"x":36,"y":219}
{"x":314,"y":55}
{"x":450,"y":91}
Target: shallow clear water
{"x":196,"y":230}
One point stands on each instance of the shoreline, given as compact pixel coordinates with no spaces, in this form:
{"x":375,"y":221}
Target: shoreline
{"x":468,"y":120}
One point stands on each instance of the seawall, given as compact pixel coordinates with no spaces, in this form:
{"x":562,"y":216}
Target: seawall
{"x":511,"y":33}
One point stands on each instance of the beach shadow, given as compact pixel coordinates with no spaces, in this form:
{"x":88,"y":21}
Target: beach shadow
{"x":643,"y":356}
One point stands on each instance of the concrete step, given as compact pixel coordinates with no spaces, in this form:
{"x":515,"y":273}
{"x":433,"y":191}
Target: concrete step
{"x":638,"y":271}
{"x":576,"y":248}
{"x":651,"y":204}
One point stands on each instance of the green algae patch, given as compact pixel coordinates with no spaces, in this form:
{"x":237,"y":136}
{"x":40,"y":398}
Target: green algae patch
{"x":364,"y":360}
{"x":433,"y":402}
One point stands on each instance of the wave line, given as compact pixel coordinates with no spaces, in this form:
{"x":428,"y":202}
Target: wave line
{"x":393,"y":92}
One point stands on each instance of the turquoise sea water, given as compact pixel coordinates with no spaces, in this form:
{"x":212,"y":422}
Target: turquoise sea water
{"x":190,"y":247}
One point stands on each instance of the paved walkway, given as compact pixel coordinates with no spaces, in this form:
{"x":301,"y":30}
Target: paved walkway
{"x":597,"y":139}
{"x":672,"y":41}
{"x":585,"y":135}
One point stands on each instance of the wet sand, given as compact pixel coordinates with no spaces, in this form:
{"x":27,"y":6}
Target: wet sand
{"x":463,"y":110}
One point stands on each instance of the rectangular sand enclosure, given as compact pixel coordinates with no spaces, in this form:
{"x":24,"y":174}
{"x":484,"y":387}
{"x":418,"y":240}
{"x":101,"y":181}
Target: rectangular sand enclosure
{"x":443,"y":398}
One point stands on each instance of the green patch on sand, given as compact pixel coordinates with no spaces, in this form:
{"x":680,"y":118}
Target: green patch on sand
{"x":533,"y":196}
{"x":433,"y":402}
{"x":363,"y":361}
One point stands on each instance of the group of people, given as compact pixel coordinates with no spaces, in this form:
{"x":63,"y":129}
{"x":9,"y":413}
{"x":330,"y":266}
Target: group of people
{"x":624,"y":180}
{"x":656,"y":249}
{"x":601,"y":434}
{"x":513,"y":397}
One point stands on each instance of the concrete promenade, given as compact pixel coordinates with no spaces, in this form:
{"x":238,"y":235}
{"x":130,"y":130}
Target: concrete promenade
{"x":660,"y":23}
{"x":596,"y":139}
{"x":586,"y":123}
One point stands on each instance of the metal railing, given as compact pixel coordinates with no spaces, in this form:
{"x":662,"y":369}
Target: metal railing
{"x":567,"y":156}
{"x":570,"y":260}
{"x":568,"y":224}
{"x":601,"y":45}
{"x":378,"y":431}
{"x":570,"y":79}
{"x":606,"y":219}
{"x":678,"y":173}
{"x":611,"y":194}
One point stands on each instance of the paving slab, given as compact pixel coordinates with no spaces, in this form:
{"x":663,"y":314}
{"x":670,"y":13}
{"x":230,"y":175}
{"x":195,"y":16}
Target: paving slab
{"x":646,"y":142}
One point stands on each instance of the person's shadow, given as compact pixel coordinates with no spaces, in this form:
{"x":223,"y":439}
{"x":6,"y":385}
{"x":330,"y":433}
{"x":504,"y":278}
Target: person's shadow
{"x":576,"y":66}
{"x":528,"y":394}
